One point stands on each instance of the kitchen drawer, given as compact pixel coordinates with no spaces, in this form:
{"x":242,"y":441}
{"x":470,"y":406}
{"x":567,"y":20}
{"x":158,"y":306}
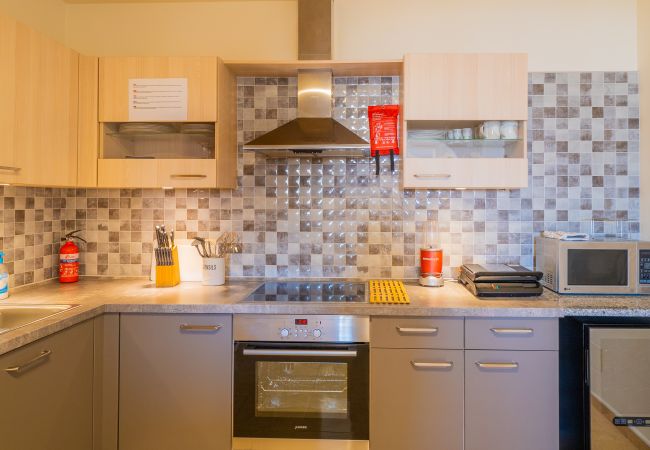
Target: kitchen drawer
{"x":420,"y":332}
{"x":511,"y":334}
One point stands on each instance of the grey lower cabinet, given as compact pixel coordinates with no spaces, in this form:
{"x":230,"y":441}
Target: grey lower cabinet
{"x":175,"y":381}
{"x":416,"y":399}
{"x":464,"y":383}
{"x":511,"y":384}
{"x":46,"y":392}
{"x":511,"y":400}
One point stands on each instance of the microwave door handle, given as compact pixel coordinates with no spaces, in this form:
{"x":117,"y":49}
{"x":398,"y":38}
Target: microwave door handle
{"x":288,"y":352}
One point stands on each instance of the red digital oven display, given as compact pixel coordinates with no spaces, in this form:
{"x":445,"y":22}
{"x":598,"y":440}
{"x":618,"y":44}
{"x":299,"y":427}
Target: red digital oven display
{"x":301,"y":321}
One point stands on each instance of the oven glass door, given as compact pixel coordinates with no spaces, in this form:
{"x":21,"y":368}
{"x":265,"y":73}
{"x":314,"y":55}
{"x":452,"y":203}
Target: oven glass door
{"x":619,"y":388}
{"x":302,"y":391}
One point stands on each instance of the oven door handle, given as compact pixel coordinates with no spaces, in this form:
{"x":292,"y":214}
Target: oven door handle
{"x":283,"y":352}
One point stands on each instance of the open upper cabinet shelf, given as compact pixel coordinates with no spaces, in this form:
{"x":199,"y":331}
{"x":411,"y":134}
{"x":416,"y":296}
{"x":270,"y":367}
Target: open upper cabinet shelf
{"x":447,"y":93}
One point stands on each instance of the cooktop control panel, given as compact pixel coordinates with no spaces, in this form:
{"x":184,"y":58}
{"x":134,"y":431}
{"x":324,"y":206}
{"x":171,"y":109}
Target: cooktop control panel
{"x":305,"y":328}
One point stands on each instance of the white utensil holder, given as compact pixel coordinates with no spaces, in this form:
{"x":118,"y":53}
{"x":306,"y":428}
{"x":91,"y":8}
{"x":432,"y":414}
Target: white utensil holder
{"x":214,"y":271}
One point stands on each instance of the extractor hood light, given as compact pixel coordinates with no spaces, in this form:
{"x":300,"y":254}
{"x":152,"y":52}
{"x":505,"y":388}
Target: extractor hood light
{"x":315,"y":91}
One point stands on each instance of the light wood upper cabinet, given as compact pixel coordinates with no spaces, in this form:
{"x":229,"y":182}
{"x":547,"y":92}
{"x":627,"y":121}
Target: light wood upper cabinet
{"x":39,"y":108}
{"x":172,"y":158}
{"x":88,"y":133}
{"x":8,"y":168}
{"x":465,"y":86}
{"x":449,"y":100}
{"x":115,"y":72}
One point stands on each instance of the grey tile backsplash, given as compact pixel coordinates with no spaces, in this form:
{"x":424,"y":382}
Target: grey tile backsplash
{"x":332,"y":217}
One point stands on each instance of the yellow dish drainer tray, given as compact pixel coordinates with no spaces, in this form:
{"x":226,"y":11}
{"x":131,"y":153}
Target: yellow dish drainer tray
{"x":388,"y":292}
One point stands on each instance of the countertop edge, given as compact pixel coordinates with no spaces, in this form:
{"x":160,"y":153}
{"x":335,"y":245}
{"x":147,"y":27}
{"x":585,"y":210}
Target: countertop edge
{"x":95,"y":297}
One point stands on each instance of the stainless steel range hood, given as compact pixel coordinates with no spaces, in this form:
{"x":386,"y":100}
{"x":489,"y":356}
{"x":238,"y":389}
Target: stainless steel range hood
{"x":313,"y":132}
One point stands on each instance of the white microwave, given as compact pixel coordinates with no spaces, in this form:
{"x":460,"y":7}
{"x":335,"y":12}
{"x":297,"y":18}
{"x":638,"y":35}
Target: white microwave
{"x":594,"y":267}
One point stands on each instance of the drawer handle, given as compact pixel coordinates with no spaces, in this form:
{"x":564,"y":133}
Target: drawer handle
{"x":406,"y":330}
{"x":187,"y":327}
{"x":497,"y":365}
{"x":511,"y":330}
{"x":10,"y":169}
{"x":432,"y":175}
{"x":188,"y":176}
{"x":432,"y":364}
{"x":17,"y":370}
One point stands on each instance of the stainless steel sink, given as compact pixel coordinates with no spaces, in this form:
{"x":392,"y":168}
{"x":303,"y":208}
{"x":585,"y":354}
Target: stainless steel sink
{"x":15,"y":316}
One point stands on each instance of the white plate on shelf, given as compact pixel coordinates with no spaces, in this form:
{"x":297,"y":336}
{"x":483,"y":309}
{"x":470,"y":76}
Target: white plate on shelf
{"x":427,"y":134}
{"x":142,"y":128}
{"x":197,"y":128}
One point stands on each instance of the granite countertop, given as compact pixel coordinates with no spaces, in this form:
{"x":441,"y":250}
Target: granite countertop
{"x":97,"y":296}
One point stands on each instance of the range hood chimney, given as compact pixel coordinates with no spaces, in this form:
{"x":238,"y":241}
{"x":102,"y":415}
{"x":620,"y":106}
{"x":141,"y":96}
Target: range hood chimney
{"x":313,"y":131}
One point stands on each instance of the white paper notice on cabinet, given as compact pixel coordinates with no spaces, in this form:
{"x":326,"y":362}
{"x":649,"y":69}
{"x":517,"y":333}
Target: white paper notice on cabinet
{"x":157,"y":99}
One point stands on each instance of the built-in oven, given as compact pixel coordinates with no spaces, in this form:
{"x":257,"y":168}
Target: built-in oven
{"x":301,"y":378}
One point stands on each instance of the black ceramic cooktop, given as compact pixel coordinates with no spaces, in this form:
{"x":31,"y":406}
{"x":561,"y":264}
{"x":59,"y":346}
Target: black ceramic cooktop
{"x":309,"y":291}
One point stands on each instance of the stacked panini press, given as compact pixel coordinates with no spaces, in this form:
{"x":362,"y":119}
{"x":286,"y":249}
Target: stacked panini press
{"x":500,"y":280}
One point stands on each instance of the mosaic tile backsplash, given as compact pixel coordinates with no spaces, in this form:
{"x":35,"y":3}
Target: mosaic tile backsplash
{"x":335,"y":218}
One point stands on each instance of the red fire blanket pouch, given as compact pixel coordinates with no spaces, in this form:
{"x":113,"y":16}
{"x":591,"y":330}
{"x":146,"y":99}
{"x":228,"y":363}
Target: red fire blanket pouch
{"x":383,"y":121}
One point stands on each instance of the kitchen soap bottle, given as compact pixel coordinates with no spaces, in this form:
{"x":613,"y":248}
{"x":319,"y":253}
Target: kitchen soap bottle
{"x":4,"y":278}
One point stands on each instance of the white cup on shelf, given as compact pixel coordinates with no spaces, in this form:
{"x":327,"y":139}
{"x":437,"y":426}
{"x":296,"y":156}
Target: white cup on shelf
{"x":490,"y":129}
{"x":468,"y":133}
{"x":509,"y":129}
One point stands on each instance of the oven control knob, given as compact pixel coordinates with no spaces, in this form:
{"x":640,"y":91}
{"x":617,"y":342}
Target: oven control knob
{"x":317,"y":333}
{"x":284,"y":332}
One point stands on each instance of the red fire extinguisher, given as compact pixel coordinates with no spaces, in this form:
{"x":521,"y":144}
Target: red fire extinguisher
{"x":69,"y":258}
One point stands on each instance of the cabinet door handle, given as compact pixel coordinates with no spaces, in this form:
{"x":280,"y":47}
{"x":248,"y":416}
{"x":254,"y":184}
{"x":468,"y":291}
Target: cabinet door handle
{"x":432,"y":175}
{"x":406,"y":330}
{"x":10,"y":169}
{"x":432,"y":364}
{"x":17,"y":370}
{"x":188,"y":327}
{"x":497,"y":365}
{"x":187,"y":176}
{"x":511,"y":330}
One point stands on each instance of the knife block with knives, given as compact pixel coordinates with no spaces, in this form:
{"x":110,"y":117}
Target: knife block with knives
{"x":168,"y":272}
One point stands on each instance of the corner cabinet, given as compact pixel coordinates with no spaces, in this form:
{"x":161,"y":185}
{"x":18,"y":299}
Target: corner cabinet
{"x":464,"y":122}
{"x":38,"y":108}
{"x":197,"y":150}
{"x":46,"y":389}
{"x":175,"y":381}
